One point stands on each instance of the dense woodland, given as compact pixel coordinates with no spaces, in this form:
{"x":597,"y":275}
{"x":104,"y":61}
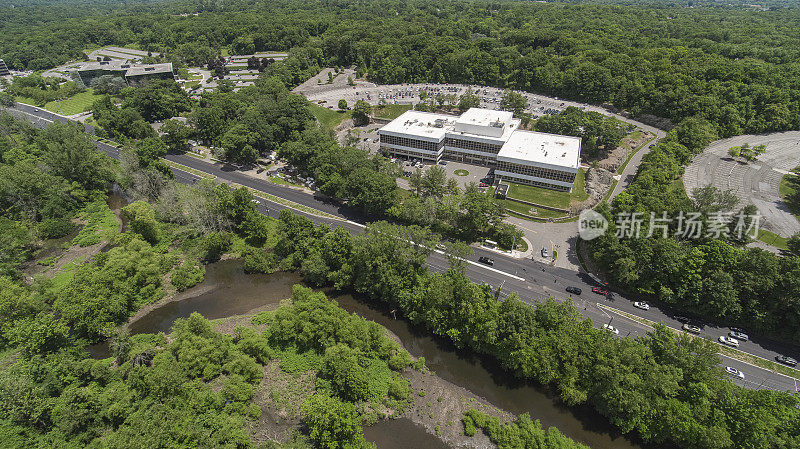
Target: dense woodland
{"x":733,"y":67}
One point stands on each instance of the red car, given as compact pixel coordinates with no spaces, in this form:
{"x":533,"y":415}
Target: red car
{"x":599,"y":290}
{"x":483,"y":184}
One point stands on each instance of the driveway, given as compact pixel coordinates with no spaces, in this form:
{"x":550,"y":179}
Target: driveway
{"x":755,"y":183}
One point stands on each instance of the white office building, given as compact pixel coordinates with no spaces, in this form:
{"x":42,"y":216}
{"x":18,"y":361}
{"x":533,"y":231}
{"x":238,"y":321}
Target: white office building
{"x":485,"y":137}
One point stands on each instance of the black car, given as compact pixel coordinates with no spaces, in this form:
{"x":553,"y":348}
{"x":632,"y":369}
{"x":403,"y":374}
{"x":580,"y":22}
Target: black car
{"x":486,"y":260}
{"x":683,"y":319}
{"x":786,"y":360}
{"x":574,"y":290}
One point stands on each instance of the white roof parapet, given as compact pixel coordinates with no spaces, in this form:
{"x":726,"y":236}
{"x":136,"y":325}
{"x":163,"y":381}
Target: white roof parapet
{"x":484,"y":122}
{"x":543,"y":150}
{"x":421,"y":125}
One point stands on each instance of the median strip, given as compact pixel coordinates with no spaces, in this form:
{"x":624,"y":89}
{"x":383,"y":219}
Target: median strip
{"x":727,"y":351}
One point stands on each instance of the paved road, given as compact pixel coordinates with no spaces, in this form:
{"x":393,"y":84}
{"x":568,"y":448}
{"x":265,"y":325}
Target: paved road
{"x":754,"y":183}
{"x":531,"y":280}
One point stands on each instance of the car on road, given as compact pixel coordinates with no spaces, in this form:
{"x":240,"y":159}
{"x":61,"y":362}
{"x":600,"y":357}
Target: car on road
{"x":641,"y":305}
{"x":611,"y":329}
{"x":734,"y":372}
{"x":486,"y":260}
{"x":688,"y":327}
{"x":786,"y":360}
{"x":255,"y":201}
{"x":599,"y":290}
{"x":574,"y":290}
{"x":732,"y":342}
{"x":682,"y":319}
{"x":739,"y":335}
{"x":544,"y":252}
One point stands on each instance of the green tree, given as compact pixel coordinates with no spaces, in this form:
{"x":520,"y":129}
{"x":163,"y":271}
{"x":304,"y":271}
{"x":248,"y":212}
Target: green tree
{"x":468,"y":100}
{"x":333,"y":424}
{"x":342,"y":104}
{"x":361,"y":112}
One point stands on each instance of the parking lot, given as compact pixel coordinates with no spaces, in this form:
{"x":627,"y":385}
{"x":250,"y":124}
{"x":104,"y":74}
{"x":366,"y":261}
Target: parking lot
{"x":490,"y":97}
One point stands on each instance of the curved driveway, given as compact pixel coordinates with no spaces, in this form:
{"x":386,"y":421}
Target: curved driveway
{"x":755,"y":183}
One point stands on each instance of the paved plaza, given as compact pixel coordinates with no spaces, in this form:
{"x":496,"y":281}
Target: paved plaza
{"x":755,"y":183}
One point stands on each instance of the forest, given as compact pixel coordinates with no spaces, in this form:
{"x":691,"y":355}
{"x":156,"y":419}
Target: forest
{"x":733,"y":67}
{"x":194,"y":386}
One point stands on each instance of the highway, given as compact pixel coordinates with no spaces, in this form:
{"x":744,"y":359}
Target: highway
{"x":531,"y":280}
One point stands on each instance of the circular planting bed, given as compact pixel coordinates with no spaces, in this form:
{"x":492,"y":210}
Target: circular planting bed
{"x":461,"y":172}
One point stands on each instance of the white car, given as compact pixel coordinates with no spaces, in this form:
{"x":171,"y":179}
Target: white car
{"x":734,"y":372}
{"x":641,"y":305}
{"x":255,"y":201}
{"x":724,"y":339}
{"x":611,"y":329}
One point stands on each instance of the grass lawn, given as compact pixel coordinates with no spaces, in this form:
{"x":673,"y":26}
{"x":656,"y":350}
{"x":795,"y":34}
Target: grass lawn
{"x":579,"y":189}
{"x":284,"y":181}
{"x":25,"y":100}
{"x":770,"y":238}
{"x":552,"y":198}
{"x":790,"y":189}
{"x":461,"y":172}
{"x":75,"y":104}
{"x":328,"y":118}
{"x":526,"y":209}
{"x":390,"y":111}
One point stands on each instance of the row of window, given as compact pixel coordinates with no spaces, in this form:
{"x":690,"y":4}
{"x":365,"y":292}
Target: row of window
{"x":411,"y":143}
{"x":472,"y":145}
{"x":408,"y":154}
{"x":538,"y":172}
{"x":465,"y":157}
{"x":535,"y":183}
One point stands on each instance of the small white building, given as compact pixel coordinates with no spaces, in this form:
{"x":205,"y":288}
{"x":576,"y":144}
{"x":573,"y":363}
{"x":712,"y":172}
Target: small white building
{"x":485,"y":137}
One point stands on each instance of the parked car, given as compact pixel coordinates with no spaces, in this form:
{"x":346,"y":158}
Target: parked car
{"x":486,"y":260}
{"x":682,"y":319}
{"x":734,"y":372}
{"x":255,"y":201}
{"x":739,"y":335}
{"x":483,"y":184}
{"x":692,"y":328}
{"x":732,"y":342}
{"x":442,"y":162}
{"x":786,"y":360}
{"x":641,"y":305}
{"x":611,"y":329}
{"x":574,"y":290}
{"x":544,"y":252}
{"x":599,"y":291}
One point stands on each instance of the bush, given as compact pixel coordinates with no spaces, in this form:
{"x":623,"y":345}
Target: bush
{"x":188,"y":274}
{"x":260,"y":261}
{"x":399,"y":388}
{"x":53,"y":228}
{"x":214,"y":246}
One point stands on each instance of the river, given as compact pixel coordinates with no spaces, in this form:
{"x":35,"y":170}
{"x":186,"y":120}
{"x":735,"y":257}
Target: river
{"x":228,"y":291}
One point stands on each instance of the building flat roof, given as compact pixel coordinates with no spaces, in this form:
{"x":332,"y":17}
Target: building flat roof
{"x":420,"y":124}
{"x":128,"y":68}
{"x":484,"y":118}
{"x":534,"y":148}
{"x":149,"y":69}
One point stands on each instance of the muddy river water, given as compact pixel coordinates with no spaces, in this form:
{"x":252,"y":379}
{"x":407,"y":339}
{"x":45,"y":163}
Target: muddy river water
{"x":228,"y":291}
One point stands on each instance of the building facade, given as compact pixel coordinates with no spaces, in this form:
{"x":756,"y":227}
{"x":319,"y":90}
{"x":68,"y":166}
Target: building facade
{"x":131,"y":73}
{"x":485,"y":137}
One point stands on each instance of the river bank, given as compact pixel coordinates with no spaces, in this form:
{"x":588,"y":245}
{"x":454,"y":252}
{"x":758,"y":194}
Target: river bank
{"x":462,"y":379}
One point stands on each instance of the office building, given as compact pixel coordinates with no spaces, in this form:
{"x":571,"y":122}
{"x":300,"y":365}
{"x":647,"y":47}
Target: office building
{"x":485,"y":137}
